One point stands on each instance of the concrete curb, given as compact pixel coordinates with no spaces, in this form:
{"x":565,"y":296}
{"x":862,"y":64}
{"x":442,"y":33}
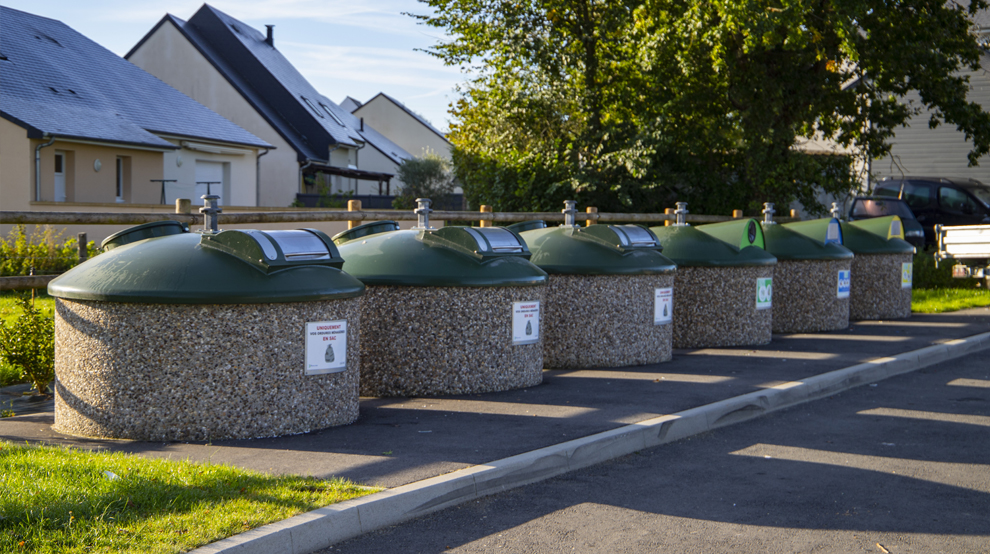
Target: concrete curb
{"x":324,"y":527}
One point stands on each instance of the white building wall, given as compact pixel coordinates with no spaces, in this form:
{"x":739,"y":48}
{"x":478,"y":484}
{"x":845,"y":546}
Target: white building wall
{"x":940,"y":152}
{"x":401,"y":128}
{"x":169,"y":56}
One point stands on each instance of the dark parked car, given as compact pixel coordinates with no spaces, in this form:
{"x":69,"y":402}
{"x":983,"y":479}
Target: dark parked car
{"x":865,"y":207}
{"x":939,"y":201}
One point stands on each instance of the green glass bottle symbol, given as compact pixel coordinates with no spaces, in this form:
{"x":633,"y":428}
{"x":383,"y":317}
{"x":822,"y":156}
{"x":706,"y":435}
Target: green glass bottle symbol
{"x":664,"y":310}
{"x":328,"y":356}
{"x":529,"y":327}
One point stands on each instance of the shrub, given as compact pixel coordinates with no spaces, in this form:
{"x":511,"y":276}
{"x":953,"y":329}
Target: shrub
{"x":927,"y":276}
{"x":28,"y":344}
{"x":428,"y":177}
{"x":46,"y":252}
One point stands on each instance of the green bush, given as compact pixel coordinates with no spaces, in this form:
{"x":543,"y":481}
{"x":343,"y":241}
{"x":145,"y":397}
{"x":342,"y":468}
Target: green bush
{"x":927,"y":276}
{"x":46,"y":252}
{"x":430,"y":176}
{"x":28,"y":344}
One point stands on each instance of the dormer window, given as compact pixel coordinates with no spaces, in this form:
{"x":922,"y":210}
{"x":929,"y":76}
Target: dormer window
{"x":332,"y":115}
{"x":312,"y":107}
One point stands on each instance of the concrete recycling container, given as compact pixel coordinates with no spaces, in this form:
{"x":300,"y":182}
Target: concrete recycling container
{"x":609,"y":295}
{"x":724,"y":293}
{"x":207,"y":336}
{"x":882,"y":269}
{"x":810,"y":280}
{"x":454,"y":310}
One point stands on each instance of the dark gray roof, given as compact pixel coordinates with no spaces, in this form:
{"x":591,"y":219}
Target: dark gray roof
{"x":306,"y":119}
{"x":415,"y":115}
{"x":55,"y":81}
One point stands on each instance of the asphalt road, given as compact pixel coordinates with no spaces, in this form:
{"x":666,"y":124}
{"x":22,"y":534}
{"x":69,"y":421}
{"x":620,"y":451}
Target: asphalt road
{"x":900,"y":466}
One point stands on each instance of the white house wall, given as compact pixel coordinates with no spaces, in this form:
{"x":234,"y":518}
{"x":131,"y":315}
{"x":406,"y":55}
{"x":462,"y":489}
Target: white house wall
{"x":373,"y":160}
{"x":940,"y":152}
{"x":239,"y":176}
{"x":167,"y":54}
{"x":387,"y":118}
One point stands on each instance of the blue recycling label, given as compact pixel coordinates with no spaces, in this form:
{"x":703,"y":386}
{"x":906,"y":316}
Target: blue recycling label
{"x":845,"y":280}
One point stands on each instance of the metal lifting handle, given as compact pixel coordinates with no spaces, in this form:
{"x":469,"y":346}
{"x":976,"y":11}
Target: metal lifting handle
{"x":836,"y":210}
{"x":768,"y":212}
{"x":423,"y":211}
{"x":210,"y":212}
{"x":681,"y":213}
{"x":569,"y":211}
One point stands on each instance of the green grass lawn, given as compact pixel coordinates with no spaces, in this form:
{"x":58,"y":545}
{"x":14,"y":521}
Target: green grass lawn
{"x":935,"y":301}
{"x":59,"y":500}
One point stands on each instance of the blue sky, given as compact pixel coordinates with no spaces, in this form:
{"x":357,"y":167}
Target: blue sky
{"x":354,"y":48}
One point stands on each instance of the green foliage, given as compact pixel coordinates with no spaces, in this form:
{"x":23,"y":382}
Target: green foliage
{"x":427,"y":177}
{"x":60,"y":500}
{"x":46,"y":252}
{"x":28,"y":344}
{"x":629,"y":104}
{"x":927,"y":276}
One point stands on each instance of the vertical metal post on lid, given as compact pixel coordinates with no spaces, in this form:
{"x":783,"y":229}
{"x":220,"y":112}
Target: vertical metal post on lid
{"x":681,"y":214}
{"x":768,"y":212}
{"x":836,"y":210}
{"x":569,"y":211}
{"x":210,"y":212}
{"x":423,"y":211}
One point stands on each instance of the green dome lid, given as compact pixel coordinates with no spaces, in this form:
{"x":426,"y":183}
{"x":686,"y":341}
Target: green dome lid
{"x":740,"y":233}
{"x":361,"y":231}
{"x":141,"y":232}
{"x":597,"y":250}
{"x":687,"y":247}
{"x":868,"y":236}
{"x":787,"y":244}
{"x":229,"y":267}
{"x":445,"y":257}
{"x":827,"y":230}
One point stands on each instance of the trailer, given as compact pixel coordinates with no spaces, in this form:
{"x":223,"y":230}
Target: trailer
{"x":968,"y":246}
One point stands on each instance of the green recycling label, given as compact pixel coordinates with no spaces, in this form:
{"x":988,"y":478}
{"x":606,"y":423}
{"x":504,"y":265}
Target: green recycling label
{"x":764,"y":293}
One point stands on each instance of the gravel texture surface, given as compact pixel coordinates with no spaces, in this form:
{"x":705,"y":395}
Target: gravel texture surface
{"x":876,"y":291}
{"x":604,"y":321}
{"x":716,"y":306}
{"x":198,"y":372}
{"x":805,"y":296}
{"x":428,"y":341}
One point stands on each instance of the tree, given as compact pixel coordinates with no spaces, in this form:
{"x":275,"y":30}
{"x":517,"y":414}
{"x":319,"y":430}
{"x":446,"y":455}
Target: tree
{"x":630,"y":104}
{"x":429,"y":176}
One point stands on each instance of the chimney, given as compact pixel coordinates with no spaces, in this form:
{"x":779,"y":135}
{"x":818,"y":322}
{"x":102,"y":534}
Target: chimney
{"x":362,"y":124}
{"x":270,"y":39}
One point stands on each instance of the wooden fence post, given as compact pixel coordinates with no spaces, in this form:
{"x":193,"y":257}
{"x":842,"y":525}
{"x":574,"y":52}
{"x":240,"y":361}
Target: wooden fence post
{"x":794,"y":214}
{"x":668,"y":211}
{"x":485,"y":209}
{"x":590,"y":222}
{"x":737,"y":214}
{"x":353,"y":206}
{"x":183,"y":206}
